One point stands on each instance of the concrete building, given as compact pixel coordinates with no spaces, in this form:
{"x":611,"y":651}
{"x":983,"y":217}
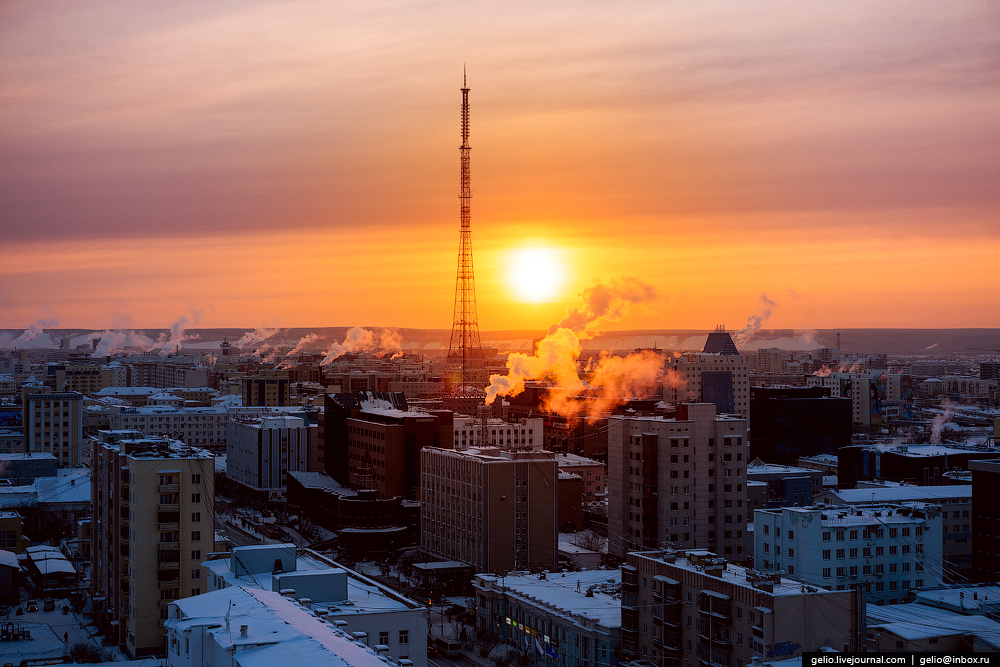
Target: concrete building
{"x":261,"y":450}
{"x":152,"y":526}
{"x":685,"y":609}
{"x":267,"y":388}
{"x":53,"y":423}
{"x":786,"y":485}
{"x":203,"y":427}
{"x":10,"y":532}
{"x":956,"y":503}
{"x":374,"y":614}
{"x":591,"y":472}
{"x":986,"y":521}
{"x":886,"y":550}
{"x":163,"y":373}
{"x":523,"y":434}
{"x":496,"y":510}
{"x":718,"y":375}
{"x":12,"y":441}
{"x":679,"y":481}
{"x":923,"y":465}
{"x":246,"y":627}
{"x":574,"y":617}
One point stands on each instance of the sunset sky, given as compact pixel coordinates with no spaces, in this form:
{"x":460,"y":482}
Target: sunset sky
{"x":296,"y":163}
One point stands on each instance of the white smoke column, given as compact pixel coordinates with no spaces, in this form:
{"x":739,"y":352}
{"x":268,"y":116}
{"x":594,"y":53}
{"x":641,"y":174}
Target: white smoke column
{"x":940,"y":420}
{"x":305,"y":340}
{"x":113,"y":342}
{"x":356,"y":340}
{"x":390,"y":343}
{"x":258,"y":335}
{"x":33,"y":331}
{"x":555,"y":359}
{"x":744,"y":336}
{"x":173,"y":344}
{"x":604,"y":302}
{"x":931,"y":347}
{"x":807,"y":335}
{"x":674,"y":379}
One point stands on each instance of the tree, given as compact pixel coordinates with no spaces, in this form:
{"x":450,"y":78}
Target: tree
{"x":484,"y":641}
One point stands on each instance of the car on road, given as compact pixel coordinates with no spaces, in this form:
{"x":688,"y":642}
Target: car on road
{"x":32,"y":605}
{"x":49,"y":604}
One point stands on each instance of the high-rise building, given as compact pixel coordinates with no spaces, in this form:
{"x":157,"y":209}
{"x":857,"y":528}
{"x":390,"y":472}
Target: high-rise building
{"x":685,"y":609}
{"x":789,"y":422}
{"x":496,"y":510}
{"x":53,"y":423}
{"x":985,"y":521}
{"x":153,"y":524}
{"x":886,"y":550}
{"x":679,"y":481}
{"x":260,"y":451}
{"x":718,"y":375}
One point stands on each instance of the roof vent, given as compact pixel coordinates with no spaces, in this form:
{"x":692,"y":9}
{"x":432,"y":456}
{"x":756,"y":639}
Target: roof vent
{"x":244,"y":631}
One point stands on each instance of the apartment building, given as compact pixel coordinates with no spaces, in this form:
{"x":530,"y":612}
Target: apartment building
{"x":680,"y":481}
{"x":572,"y":617}
{"x":152,"y":526}
{"x":204,"y":427}
{"x":494,"y":509}
{"x":522,"y":434}
{"x":592,"y":474}
{"x":692,"y":608}
{"x":53,"y":423}
{"x":267,"y":388}
{"x":956,"y":503}
{"x":261,"y":450}
{"x":883,"y":550}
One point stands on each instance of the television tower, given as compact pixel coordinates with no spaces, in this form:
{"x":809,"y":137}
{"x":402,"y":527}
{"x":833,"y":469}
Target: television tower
{"x":465,"y":345}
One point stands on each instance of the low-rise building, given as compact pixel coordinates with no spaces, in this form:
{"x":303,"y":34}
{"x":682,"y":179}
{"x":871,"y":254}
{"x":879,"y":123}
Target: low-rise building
{"x":204,"y":427}
{"x":341,"y":596}
{"x":572,"y":617}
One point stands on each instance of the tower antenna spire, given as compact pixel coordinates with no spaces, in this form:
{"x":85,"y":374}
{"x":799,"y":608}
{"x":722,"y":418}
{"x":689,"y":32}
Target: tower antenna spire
{"x":465,"y":346}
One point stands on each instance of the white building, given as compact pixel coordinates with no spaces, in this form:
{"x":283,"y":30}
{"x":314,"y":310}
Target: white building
{"x":888,"y":549}
{"x":246,"y":627}
{"x":260,"y":450}
{"x":522,"y":434}
{"x":341,"y":596}
{"x":204,"y":427}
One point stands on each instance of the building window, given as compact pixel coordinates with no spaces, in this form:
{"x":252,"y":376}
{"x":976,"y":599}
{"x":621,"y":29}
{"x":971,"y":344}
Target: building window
{"x":196,"y":497}
{"x":196,"y":478}
{"x":195,"y":517}
{"x":195,"y":591}
{"x":196,"y":554}
{"x":196,"y":536}
{"x":383,"y":638}
{"x":404,"y":636}
{"x":196,"y":574}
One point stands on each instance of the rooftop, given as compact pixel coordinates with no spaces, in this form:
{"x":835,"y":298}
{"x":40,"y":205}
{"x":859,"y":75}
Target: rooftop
{"x":901,"y":493}
{"x":566,"y":592}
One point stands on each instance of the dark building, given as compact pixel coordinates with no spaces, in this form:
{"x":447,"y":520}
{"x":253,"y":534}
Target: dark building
{"x":267,"y":388}
{"x":922,"y":465}
{"x":789,"y":422}
{"x":985,"y":520}
{"x":373,"y":441}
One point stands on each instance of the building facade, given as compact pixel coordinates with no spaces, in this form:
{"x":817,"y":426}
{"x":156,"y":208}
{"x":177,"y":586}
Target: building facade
{"x":691,"y":609}
{"x":261,"y":450}
{"x":884,"y":550}
{"x":203,"y":427}
{"x":153,"y":524}
{"x":679,"y":481}
{"x":495,"y":510}
{"x":53,"y":423}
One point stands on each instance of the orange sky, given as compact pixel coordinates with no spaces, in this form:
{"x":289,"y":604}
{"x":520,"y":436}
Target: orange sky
{"x":296,"y":163}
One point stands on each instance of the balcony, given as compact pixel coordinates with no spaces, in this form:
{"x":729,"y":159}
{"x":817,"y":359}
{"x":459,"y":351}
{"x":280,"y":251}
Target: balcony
{"x":169,"y":507}
{"x":123,"y":502}
{"x":170,"y":546}
{"x":169,"y":525}
{"x":169,"y":488}
{"x":163,"y":604}
{"x":164,"y":566}
{"x":167,"y":585}
{"x":123,"y":540}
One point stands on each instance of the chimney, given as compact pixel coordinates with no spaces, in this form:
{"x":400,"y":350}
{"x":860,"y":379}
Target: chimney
{"x":243,"y":631}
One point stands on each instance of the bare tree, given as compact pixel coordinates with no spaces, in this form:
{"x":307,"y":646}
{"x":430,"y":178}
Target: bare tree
{"x":484,"y":641}
{"x":588,"y":539}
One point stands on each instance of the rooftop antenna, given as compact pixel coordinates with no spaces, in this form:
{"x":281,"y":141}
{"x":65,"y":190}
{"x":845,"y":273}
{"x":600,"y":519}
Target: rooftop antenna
{"x":465,"y":345}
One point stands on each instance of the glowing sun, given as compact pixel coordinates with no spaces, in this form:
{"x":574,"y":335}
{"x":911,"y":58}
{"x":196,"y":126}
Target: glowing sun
{"x":535,"y":273}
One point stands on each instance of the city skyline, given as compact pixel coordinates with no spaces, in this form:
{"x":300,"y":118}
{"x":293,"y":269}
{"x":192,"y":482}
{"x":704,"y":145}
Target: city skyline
{"x":294,"y":164}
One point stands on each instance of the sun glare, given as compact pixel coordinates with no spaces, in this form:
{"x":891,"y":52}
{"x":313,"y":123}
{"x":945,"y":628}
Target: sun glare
{"x":535,"y":273}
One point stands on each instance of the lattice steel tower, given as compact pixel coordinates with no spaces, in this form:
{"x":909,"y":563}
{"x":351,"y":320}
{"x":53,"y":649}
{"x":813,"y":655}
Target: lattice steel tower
{"x":465,"y":346}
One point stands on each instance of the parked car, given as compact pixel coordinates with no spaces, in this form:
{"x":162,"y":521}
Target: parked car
{"x":49,"y":604}
{"x":32,"y":605}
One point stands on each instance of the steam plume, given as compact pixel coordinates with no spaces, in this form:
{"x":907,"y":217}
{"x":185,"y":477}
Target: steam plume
{"x":305,"y":340}
{"x":362,"y":340}
{"x":33,"y":331}
{"x":172,"y":343}
{"x":940,"y":420}
{"x":931,"y":347}
{"x":113,"y":342}
{"x":555,"y":359}
{"x":744,"y":336}
{"x":258,"y":335}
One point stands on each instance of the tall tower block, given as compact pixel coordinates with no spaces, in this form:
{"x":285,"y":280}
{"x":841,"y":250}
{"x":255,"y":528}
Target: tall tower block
{"x":466,"y":348}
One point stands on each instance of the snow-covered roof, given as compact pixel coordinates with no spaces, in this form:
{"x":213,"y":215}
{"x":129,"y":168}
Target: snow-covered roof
{"x":279,"y":631}
{"x":940,"y":621}
{"x":49,"y":560}
{"x":320,"y":480}
{"x":9,"y":559}
{"x":70,"y":485}
{"x":964,"y":599}
{"x":902,"y":493}
{"x":567,"y":593}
